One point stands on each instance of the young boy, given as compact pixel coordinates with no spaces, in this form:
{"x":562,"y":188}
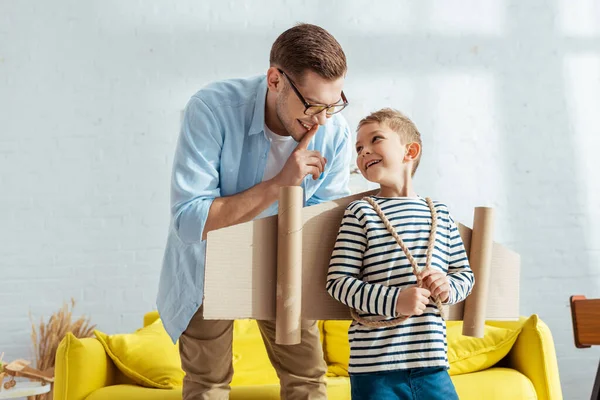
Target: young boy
{"x":392,"y":269}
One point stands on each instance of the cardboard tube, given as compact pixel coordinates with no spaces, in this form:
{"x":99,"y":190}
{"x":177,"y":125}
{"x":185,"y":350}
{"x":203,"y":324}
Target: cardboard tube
{"x":289,"y":266}
{"x":481,"y":262}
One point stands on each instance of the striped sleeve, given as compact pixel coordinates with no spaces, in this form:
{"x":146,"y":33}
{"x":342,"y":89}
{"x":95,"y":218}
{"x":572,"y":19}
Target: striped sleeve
{"x":460,"y":275}
{"x":343,"y":282}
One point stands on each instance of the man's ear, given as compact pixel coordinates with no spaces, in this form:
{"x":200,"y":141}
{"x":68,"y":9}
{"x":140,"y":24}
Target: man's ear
{"x":274,"y":80}
{"x":413,"y":150}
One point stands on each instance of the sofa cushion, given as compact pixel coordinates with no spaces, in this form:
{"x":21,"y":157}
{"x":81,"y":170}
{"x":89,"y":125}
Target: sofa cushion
{"x":336,"y":347}
{"x":494,"y":384}
{"x":338,"y":388}
{"x":147,"y":356}
{"x":82,"y":366}
{"x":491,"y":384}
{"x":469,"y":354}
{"x":465,"y":354}
{"x":134,"y":392}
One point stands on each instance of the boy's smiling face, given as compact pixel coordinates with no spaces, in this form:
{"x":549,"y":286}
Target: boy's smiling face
{"x":382,"y":157}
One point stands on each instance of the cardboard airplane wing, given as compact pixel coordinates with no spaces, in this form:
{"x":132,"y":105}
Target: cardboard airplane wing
{"x":241,"y":271}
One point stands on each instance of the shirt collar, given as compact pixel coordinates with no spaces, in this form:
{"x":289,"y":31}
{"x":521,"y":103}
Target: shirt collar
{"x":258,"y":119}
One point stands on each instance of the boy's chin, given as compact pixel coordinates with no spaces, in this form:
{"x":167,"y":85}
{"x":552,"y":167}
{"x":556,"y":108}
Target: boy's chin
{"x":374,"y":180}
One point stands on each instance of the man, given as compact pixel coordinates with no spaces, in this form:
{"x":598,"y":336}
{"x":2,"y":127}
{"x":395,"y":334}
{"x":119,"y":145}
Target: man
{"x":242,"y":140}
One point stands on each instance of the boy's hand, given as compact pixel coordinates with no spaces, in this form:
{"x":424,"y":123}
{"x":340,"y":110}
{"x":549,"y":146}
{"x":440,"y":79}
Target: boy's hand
{"x":412,"y":301}
{"x":437,"y":282}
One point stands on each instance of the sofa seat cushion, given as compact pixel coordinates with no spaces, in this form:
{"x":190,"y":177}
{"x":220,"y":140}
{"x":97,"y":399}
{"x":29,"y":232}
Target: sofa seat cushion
{"x":134,"y":392}
{"x":490,"y":384}
{"x":494,"y":384}
{"x":338,"y":388}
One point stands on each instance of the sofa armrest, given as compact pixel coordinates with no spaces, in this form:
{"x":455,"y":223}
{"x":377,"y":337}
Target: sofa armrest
{"x":533,"y":355}
{"x":82,"y":366}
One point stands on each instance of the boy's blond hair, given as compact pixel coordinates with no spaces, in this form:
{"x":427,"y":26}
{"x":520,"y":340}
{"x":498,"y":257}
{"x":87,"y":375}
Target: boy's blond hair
{"x":400,"y":124}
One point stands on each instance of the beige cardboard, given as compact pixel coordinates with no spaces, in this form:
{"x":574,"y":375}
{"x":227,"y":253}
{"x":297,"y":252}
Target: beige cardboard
{"x":240,"y":276}
{"x":289,"y":266}
{"x":503,"y":291}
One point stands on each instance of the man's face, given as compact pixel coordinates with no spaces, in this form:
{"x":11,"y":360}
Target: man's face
{"x":315,"y":90}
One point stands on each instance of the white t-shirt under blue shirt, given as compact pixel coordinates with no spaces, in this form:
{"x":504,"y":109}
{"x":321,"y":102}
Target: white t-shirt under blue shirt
{"x":281,"y":148}
{"x":279,"y":152}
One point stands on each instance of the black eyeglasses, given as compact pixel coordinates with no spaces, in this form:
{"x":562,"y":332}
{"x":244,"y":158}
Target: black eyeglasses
{"x":314,"y":109}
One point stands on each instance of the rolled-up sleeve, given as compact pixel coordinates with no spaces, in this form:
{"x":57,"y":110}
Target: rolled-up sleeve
{"x":195,"y":179}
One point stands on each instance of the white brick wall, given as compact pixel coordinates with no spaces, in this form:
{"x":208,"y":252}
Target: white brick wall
{"x":505,"y":94}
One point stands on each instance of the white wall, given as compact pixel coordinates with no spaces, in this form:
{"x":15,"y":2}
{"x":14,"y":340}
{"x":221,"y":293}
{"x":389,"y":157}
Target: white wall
{"x":91,"y":93}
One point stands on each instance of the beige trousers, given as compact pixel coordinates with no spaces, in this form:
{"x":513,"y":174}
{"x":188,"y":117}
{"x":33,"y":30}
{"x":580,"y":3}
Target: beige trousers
{"x":206,"y":358}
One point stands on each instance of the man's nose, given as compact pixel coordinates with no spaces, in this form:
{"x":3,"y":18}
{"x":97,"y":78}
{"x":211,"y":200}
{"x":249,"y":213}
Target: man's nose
{"x":321,"y":117}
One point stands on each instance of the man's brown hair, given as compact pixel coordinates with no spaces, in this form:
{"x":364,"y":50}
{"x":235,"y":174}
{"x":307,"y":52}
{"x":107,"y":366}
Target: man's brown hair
{"x":399,"y":123}
{"x":308,"y":47}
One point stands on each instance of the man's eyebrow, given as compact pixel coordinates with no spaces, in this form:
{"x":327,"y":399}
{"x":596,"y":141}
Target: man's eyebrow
{"x":311,"y":100}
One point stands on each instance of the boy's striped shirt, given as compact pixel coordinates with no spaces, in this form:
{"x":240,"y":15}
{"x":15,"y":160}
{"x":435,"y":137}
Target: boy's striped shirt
{"x":368,"y":270}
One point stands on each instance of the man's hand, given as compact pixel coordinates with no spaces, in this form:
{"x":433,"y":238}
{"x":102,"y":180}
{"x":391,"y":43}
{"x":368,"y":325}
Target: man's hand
{"x":244,"y":206}
{"x":302,"y":162}
{"x":412,"y":301}
{"x":437,"y":283}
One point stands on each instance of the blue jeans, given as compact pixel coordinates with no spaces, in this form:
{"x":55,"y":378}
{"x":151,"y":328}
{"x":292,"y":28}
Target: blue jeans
{"x":431,"y":383}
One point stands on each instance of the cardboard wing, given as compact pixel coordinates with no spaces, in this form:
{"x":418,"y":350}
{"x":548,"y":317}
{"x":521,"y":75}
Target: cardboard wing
{"x":241,"y":269}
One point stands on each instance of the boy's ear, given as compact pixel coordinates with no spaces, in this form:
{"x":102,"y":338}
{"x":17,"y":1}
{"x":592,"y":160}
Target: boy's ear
{"x":413,"y":150}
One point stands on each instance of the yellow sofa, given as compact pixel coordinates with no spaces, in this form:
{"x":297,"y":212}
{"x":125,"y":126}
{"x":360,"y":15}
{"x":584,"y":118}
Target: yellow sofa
{"x":529,"y":371}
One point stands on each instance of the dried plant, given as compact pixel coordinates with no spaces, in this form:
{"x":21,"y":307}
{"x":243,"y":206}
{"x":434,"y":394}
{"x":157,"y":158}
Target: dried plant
{"x":46,"y":339}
